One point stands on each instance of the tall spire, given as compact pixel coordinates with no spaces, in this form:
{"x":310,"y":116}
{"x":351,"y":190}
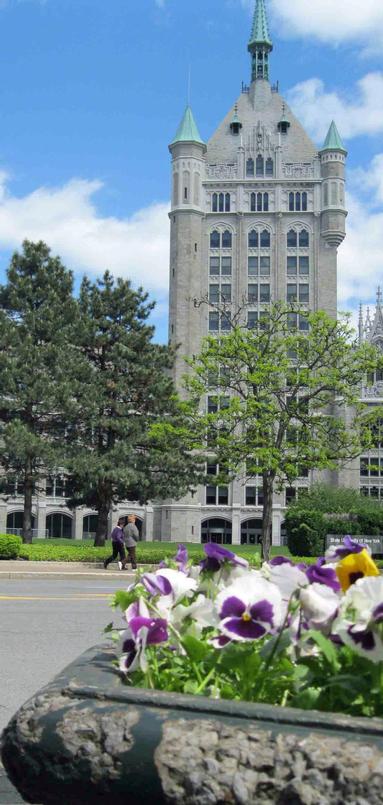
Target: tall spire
{"x":260,"y":44}
{"x":187,"y":130}
{"x":333,"y":140}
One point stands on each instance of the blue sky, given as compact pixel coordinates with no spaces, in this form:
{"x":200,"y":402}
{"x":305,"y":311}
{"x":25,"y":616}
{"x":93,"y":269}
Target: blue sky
{"x":92,"y":92}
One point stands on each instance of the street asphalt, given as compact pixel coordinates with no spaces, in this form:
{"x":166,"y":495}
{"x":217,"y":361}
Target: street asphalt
{"x":45,"y":623}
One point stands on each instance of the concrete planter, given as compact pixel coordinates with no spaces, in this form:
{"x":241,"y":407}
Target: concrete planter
{"x":86,"y":738}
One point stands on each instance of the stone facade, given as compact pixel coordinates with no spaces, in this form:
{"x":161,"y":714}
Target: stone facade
{"x":257,"y":214}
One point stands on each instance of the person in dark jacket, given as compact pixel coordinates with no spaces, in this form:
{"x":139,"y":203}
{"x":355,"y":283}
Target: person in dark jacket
{"x":118,"y":546}
{"x":131,"y":536}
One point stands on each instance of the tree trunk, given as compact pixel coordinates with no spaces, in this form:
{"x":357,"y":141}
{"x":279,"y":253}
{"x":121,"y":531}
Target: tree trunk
{"x":28,"y":492}
{"x":268,"y":487}
{"x":102,"y":524}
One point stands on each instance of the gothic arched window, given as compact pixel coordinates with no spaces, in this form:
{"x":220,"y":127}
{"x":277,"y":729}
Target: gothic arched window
{"x":215,"y":240}
{"x":266,"y":202}
{"x":253,"y":239}
{"x":227,"y":202}
{"x":259,"y":165}
{"x":214,"y":202}
{"x":292,"y":239}
{"x":304,"y":239}
{"x":265,"y":239}
{"x":291,"y":202}
{"x":221,"y":202}
{"x":253,"y":202}
{"x":269,"y":167}
{"x":250,"y":167}
{"x":226,"y":240}
{"x":259,"y":202}
{"x":298,"y":201}
{"x":304,"y":202}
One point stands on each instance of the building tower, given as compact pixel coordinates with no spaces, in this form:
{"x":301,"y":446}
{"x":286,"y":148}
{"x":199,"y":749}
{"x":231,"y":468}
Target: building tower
{"x":257,"y":213}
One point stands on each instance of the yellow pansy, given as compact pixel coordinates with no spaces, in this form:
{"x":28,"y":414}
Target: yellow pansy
{"x":355,"y":566}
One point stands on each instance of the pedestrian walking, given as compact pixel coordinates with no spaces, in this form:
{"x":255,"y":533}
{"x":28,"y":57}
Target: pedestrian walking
{"x":118,"y":546}
{"x":131,"y":536}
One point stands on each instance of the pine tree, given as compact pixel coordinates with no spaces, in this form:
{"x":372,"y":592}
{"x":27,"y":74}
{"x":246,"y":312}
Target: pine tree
{"x":37,"y":366}
{"x":114,"y":455}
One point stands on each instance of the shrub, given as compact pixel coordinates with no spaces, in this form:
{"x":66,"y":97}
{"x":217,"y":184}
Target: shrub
{"x":10,"y":546}
{"x":306,"y":530}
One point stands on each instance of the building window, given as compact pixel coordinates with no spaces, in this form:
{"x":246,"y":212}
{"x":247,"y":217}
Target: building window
{"x":252,"y":319}
{"x":226,"y":266}
{"x":292,"y":265}
{"x":253,"y":496}
{"x":265,"y":239}
{"x":304,"y":239}
{"x":56,"y":486}
{"x":219,"y":322}
{"x":269,"y":167}
{"x":264,"y":294}
{"x":215,"y":240}
{"x":291,"y":495}
{"x":259,"y":165}
{"x":259,"y":202}
{"x":220,"y":202}
{"x":304,"y":294}
{"x":303,"y":323}
{"x":226,"y":240}
{"x":264,"y":266}
{"x":213,"y":322}
{"x":252,"y":293}
{"x":219,"y":293}
{"x":220,"y":266}
{"x":371,"y":467}
{"x":216,"y":495}
{"x":253,"y":239}
{"x":227,"y":202}
{"x":250,"y":167}
{"x":304,"y":266}
{"x":292,"y":239}
{"x":292,"y":293}
{"x":297,"y":202}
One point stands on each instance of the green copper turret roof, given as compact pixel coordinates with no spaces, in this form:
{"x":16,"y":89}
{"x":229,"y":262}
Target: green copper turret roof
{"x":260,"y":30}
{"x":333,"y":140}
{"x":187,"y":130}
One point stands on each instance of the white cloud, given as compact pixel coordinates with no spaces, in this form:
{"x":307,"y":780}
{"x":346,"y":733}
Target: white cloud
{"x":358,"y":112}
{"x":360,"y":256}
{"x":67,"y":219}
{"x":331,"y":21}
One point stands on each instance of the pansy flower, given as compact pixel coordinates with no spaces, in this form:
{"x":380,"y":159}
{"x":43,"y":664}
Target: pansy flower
{"x":216,"y":556}
{"x":141,"y":632}
{"x":320,"y":574}
{"x":360,"y":620}
{"x":249,"y":608}
{"x":355,"y":566}
{"x":319,"y":606}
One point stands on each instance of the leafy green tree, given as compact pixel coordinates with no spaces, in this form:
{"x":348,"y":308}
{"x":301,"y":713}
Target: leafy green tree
{"x":114,"y":456}
{"x":37,"y":366}
{"x":278,"y":397}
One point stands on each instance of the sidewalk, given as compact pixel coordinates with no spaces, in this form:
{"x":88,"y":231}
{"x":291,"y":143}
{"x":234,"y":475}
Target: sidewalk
{"x":22,"y":569}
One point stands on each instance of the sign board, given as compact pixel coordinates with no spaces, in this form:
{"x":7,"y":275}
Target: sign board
{"x":374,"y":542}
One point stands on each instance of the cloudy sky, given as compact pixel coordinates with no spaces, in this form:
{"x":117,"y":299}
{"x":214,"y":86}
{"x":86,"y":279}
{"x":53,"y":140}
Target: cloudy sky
{"x":91,"y":94}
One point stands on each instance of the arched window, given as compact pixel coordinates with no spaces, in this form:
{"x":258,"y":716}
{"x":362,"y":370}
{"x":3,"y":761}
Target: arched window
{"x":221,"y":202}
{"x":253,"y":202}
{"x":214,"y":202}
{"x":259,"y":202}
{"x":186,"y":184}
{"x":175,"y":189}
{"x":291,"y":202}
{"x":259,"y":166}
{"x":226,"y":240}
{"x":265,"y":202}
{"x":292,"y":239}
{"x":298,"y":202}
{"x":215,"y":240}
{"x":265,"y":239}
{"x":253,"y":239}
{"x":269,"y":167}
{"x":250,"y":167}
{"x":304,"y":202}
{"x":196,"y":188}
{"x":304,"y":239}
{"x":227,"y":202}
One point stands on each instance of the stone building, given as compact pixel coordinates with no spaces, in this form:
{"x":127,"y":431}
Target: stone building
{"x":257,"y":213}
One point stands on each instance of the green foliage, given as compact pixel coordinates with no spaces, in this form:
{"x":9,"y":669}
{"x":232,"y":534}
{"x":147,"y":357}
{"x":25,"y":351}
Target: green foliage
{"x":10,"y":546}
{"x":114,"y":455}
{"x":274,"y":389}
{"x":306,"y":531}
{"x":147,"y":552}
{"x":329,"y":510}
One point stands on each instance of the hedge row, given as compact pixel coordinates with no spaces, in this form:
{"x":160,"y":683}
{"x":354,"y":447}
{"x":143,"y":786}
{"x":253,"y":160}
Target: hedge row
{"x":9,"y":546}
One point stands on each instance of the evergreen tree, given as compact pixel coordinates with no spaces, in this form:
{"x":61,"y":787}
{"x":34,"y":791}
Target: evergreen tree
{"x":278,"y":398}
{"x":38,"y":364}
{"x":113,"y":454}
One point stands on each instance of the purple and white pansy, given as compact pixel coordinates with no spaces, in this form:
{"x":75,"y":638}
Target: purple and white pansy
{"x":249,"y":608}
{"x":217,"y":556}
{"x":360,"y":621}
{"x":337,"y":552}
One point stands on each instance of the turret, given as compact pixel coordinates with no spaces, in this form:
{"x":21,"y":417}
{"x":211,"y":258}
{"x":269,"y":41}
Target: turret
{"x":188,"y":151}
{"x":260,"y":44}
{"x":333,"y":161}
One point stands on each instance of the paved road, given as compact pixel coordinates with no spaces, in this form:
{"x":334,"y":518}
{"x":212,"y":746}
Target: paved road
{"x":44,"y":625}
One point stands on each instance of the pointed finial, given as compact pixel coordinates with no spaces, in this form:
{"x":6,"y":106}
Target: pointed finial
{"x":333,"y":140}
{"x":379,"y":296}
{"x":260,"y":44}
